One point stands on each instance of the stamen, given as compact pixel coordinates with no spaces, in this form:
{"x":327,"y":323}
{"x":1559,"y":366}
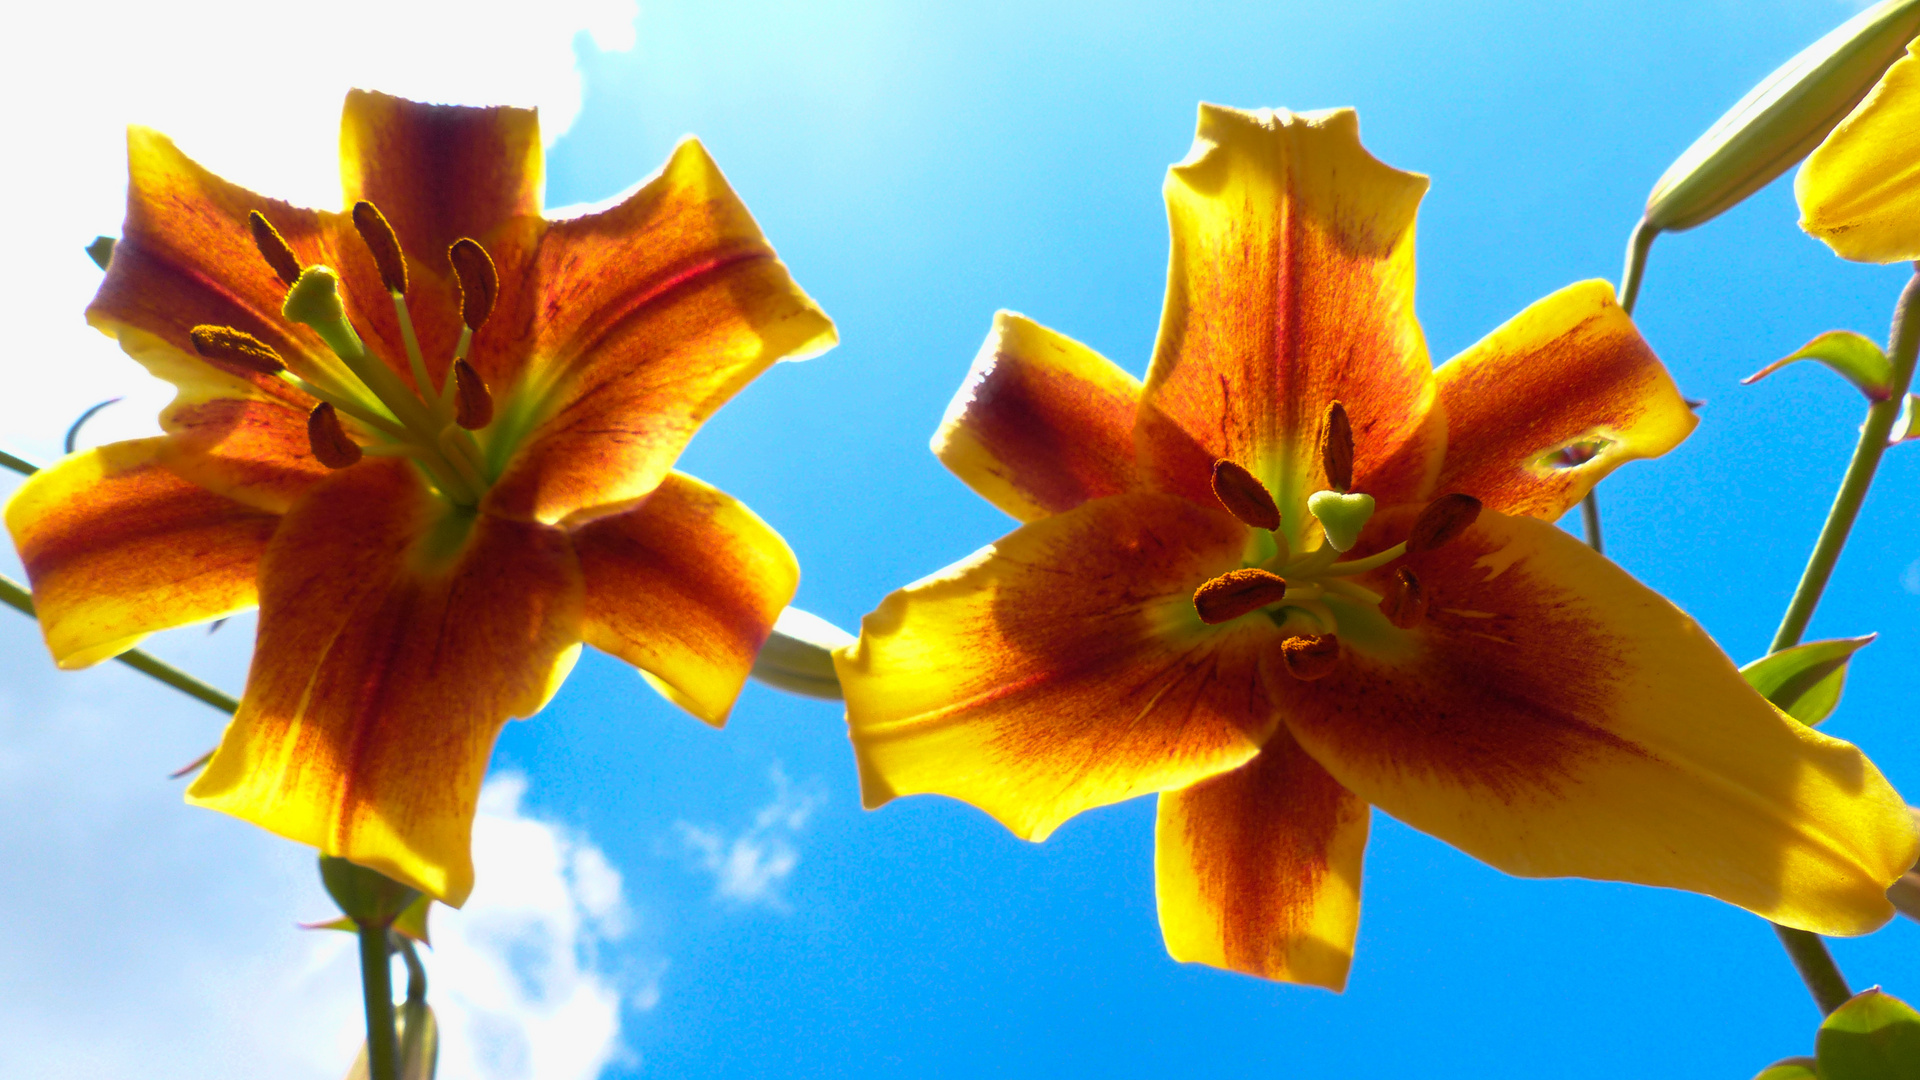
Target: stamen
{"x":479,"y":283}
{"x":236,"y":347}
{"x":1244,"y":496}
{"x":329,"y":440}
{"x":1311,"y":656}
{"x":1237,"y":592}
{"x":1444,"y":519}
{"x":1336,"y":448}
{"x":472,"y":404}
{"x":378,"y":236}
{"x":273,"y":247}
{"x":1406,"y":605}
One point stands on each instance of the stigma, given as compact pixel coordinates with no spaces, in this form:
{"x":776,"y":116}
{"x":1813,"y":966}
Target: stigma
{"x":364,"y":406}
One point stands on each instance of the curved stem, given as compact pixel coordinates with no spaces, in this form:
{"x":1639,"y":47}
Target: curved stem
{"x":1637,"y":247}
{"x":1590,"y":519}
{"x":1809,"y":951}
{"x":376,"y":984}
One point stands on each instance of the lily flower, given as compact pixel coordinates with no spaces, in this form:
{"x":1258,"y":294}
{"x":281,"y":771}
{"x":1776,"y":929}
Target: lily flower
{"x":1859,"y":190}
{"x":432,"y":437}
{"x":1300,"y":573}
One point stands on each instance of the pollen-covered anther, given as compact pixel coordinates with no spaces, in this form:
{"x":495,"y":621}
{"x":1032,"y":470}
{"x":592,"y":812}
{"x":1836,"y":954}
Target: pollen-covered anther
{"x":1244,"y":496}
{"x":1311,"y":656}
{"x":1336,"y":448}
{"x":236,"y":347}
{"x":383,"y":244}
{"x":329,"y":441}
{"x":1405,"y":604}
{"x":1444,"y":519}
{"x":273,"y":248}
{"x":1237,"y":592}
{"x":472,"y":404}
{"x":479,"y":283}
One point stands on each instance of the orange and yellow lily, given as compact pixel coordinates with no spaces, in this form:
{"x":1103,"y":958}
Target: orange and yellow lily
{"x":432,"y":438}
{"x":1300,"y":573}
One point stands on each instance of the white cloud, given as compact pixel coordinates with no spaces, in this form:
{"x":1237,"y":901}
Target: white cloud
{"x":750,"y":868}
{"x":253,"y":91}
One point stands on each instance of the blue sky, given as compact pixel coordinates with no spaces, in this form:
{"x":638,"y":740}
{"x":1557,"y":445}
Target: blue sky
{"x":920,"y":166}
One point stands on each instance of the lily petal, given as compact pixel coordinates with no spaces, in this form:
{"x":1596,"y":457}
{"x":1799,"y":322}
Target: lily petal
{"x":396,"y":637}
{"x":1042,"y":423}
{"x":1290,"y":286}
{"x":634,"y":361}
{"x":686,"y":587}
{"x":440,"y":172}
{"x":1061,"y":668}
{"x":1258,"y":870}
{"x":1555,"y":717}
{"x":1859,"y":191}
{"x":117,"y":547}
{"x":1570,"y":370}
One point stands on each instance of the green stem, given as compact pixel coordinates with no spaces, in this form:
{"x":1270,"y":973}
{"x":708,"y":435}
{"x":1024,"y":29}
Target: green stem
{"x":19,"y":465}
{"x":1638,"y":245}
{"x":1853,"y":487}
{"x":1590,"y":518}
{"x":376,"y":981}
{"x":1809,"y":951}
{"x":16,"y":596}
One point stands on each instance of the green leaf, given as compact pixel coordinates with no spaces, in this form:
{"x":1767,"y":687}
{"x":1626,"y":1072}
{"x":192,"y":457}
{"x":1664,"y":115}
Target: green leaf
{"x":1874,"y":1036}
{"x":1852,"y":356}
{"x":101,"y":251}
{"x":1793,"y":1068}
{"x":1805,"y":681}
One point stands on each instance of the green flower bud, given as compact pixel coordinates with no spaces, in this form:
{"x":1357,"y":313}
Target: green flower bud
{"x":1782,"y":119}
{"x":368,"y":897}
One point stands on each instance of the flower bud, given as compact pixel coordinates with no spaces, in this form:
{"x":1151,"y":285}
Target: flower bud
{"x":1781,"y":119}
{"x":366,"y":896}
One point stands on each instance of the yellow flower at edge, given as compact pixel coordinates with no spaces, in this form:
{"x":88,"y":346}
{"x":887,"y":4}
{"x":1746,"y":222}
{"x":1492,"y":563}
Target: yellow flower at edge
{"x":1300,"y":573}
{"x":432,"y":438}
{"x":1859,"y":191}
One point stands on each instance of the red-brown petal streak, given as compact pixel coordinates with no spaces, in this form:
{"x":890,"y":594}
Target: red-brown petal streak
{"x":1244,"y":496}
{"x":1237,"y":592}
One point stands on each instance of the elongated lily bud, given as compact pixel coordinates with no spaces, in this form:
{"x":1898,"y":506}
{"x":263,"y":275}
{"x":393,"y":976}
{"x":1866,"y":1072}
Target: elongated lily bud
{"x":479,"y":283}
{"x":1244,"y":496}
{"x":329,"y":441}
{"x":1783,"y":118}
{"x":472,"y":404}
{"x":1336,"y":448}
{"x":273,"y":248}
{"x":385,"y":246}
{"x":236,"y":347}
{"x":1444,"y":519}
{"x":1237,"y":592}
{"x":1311,"y":656}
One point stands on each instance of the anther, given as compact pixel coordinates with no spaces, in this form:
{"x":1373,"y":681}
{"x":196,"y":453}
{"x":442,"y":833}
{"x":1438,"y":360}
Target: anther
{"x":479,"y":284}
{"x":1444,"y":519}
{"x":236,"y":347}
{"x":329,"y":440}
{"x":378,"y":236}
{"x":1311,"y":656}
{"x":1237,"y":592}
{"x":1336,"y":448}
{"x":273,"y":248}
{"x":1244,"y":496}
{"x":1405,"y":604}
{"x":472,"y":404}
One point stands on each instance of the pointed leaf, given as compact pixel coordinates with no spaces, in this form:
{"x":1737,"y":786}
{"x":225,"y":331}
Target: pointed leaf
{"x":1793,"y":1068}
{"x":1854,"y":357}
{"x":1805,"y":681}
{"x":413,"y":921}
{"x":1903,"y":427}
{"x":1874,"y":1036}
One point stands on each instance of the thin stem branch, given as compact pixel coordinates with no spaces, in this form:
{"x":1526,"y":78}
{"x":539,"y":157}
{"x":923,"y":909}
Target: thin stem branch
{"x":16,"y":596}
{"x":376,"y":983}
{"x":1809,"y":952}
{"x":1590,"y":519}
